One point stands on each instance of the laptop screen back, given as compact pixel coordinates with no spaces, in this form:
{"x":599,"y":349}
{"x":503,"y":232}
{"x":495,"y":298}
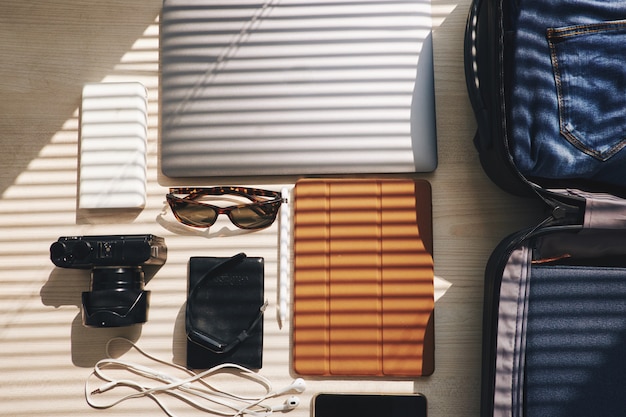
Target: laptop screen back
{"x":292,"y":88}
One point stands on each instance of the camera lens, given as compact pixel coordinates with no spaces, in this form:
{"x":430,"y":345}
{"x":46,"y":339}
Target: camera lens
{"x":116,"y":298}
{"x":117,"y":278}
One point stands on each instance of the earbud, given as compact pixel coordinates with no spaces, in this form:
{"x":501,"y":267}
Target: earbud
{"x":289,"y":404}
{"x":298,"y":385}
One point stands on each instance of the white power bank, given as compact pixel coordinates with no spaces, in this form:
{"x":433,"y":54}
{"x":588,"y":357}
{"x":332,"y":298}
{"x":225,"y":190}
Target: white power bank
{"x":113,"y":144}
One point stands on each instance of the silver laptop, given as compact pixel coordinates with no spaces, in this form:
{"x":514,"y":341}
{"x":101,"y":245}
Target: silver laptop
{"x":296,"y":88}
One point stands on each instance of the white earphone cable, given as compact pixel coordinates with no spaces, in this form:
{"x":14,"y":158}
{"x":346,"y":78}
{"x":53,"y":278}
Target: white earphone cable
{"x":184,"y":389}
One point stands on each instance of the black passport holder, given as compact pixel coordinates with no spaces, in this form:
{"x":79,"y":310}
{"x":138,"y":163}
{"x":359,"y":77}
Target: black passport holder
{"x":224,"y":313}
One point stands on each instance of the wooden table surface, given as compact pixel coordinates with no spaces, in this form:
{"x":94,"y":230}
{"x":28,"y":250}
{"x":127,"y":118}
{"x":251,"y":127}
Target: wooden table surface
{"x":49,"y":50}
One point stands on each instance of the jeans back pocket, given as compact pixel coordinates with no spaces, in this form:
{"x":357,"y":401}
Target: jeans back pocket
{"x":590,"y":74}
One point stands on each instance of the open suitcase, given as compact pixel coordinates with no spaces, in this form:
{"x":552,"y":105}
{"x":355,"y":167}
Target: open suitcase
{"x":547,"y":82}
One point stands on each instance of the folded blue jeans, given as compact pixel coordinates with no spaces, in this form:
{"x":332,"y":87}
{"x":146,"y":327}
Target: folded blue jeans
{"x":567,"y":109}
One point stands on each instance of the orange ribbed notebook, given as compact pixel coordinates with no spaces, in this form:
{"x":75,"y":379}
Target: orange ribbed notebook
{"x":363,"y":293}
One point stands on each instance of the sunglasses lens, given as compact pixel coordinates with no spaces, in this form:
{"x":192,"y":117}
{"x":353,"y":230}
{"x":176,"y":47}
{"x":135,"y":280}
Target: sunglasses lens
{"x":254,"y":216}
{"x":193,"y":214}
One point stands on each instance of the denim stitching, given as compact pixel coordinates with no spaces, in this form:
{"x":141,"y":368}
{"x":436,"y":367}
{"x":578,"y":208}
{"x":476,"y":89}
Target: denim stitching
{"x":563,"y":33}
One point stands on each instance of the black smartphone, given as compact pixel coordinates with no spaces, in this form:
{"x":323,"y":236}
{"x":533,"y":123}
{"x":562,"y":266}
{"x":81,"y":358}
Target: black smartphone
{"x":369,"y":405}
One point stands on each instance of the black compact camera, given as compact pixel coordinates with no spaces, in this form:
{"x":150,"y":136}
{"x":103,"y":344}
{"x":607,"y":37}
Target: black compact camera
{"x":117,"y":297}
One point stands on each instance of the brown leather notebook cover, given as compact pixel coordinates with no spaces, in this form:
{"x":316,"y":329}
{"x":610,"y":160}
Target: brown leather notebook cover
{"x":363,"y":293}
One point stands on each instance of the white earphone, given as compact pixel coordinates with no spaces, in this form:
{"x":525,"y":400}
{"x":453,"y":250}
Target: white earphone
{"x":289,"y":404}
{"x":298,"y":385}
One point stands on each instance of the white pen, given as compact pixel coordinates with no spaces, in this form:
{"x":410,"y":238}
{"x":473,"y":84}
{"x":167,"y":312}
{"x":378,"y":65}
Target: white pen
{"x":283,"y":274}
